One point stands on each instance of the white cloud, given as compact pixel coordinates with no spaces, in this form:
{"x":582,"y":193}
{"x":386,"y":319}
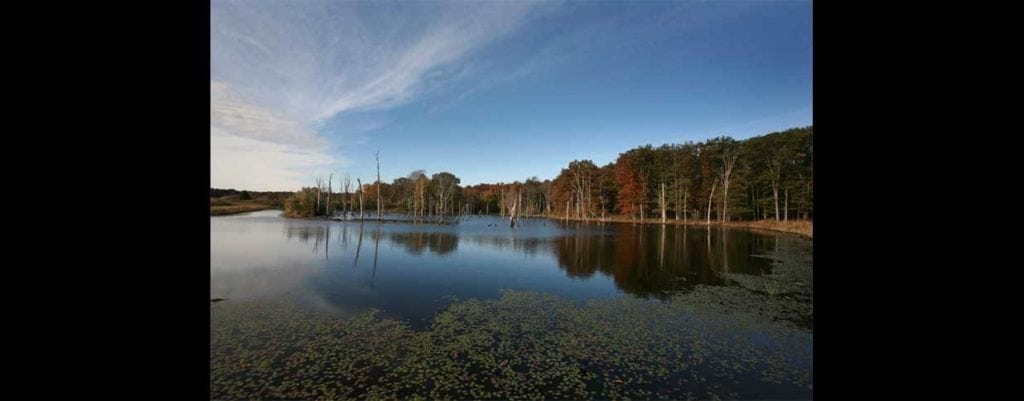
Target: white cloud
{"x":231,"y":112}
{"x":400,"y":79}
{"x":281,"y":70}
{"x":255,"y":148}
{"x":245,"y":163}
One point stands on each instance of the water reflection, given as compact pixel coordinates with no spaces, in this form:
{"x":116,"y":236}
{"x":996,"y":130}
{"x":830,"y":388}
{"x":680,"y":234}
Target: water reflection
{"x":439,"y":243}
{"x":656,"y":261}
{"x":414,"y":266}
{"x":528,"y":246}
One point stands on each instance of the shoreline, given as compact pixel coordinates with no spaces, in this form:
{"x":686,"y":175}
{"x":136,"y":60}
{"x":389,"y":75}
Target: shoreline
{"x":802,"y":228}
{"x":799,"y":227}
{"x":236,"y":209}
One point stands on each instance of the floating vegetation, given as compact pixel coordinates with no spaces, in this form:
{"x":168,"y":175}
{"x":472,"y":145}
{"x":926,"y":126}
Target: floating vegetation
{"x":784,"y":294}
{"x":705,"y":344}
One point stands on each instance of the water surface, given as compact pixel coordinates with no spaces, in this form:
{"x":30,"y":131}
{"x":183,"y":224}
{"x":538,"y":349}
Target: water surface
{"x":749,"y":291}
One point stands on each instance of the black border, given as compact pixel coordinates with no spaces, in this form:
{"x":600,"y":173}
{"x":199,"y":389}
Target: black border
{"x":170,"y":354}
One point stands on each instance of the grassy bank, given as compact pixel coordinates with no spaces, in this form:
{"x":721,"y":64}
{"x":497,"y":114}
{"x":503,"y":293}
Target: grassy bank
{"x":230,"y":201}
{"x":801,"y":227}
{"x":221,"y":206}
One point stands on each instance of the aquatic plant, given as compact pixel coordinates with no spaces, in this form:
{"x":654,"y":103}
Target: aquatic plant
{"x":523,"y":345}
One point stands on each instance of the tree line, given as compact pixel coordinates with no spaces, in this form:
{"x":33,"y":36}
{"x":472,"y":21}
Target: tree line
{"x":768,"y":177}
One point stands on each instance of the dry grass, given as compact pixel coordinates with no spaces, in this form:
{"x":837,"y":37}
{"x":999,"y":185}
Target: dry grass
{"x":800,"y":227}
{"x":221,"y":206}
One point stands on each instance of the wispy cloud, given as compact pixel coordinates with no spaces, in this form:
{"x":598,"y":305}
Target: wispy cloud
{"x":235,"y":115}
{"x":246,"y":163}
{"x":417,"y":66}
{"x":282,"y":71}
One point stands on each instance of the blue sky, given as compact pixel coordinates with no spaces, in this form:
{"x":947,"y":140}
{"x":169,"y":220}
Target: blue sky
{"x":491,"y":91}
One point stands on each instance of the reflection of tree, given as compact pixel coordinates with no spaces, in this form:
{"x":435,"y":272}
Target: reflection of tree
{"x":528,"y":246}
{"x":359,"y":246}
{"x":318,"y":235}
{"x":437,"y":242}
{"x":305,"y":233}
{"x":582,"y":255}
{"x":376,"y":244}
{"x":414,"y":243}
{"x":657,"y":260}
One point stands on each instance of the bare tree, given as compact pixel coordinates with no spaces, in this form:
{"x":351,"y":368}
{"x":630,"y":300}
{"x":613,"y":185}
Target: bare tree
{"x":445,"y":185}
{"x":348,"y":183}
{"x":501,"y":204}
{"x":414,"y":179}
{"x":685,"y":210}
{"x":360,"y":183}
{"x":663,"y":203}
{"x":710,"y":198}
{"x":379,"y":199}
{"x":547,"y":197}
{"x":775,"y":173}
{"x":786,"y":209}
{"x":729,"y":157}
{"x":319,"y":184}
{"x":581,"y":184}
{"x":329,"y":180}
{"x":513,"y":216}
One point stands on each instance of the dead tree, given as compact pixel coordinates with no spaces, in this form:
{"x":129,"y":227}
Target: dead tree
{"x":379,"y":199}
{"x":728,"y":161}
{"x":348,"y":183}
{"x":663,"y":203}
{"x":319,"y":184}
{"x":786,"y":208}
{"x":775,"y":173}
{"x":685,"y":211}
{"x":711,"y":198}
{"x":501,"y":210}
{"x":547,"y":198}
{"x":360,"y":183}
{"x":513,"y":215}
{"x":329,"y":180}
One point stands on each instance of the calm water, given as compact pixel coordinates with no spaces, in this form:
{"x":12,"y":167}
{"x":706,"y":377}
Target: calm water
{"x":407,"y":271}
{"x":565,"y":310}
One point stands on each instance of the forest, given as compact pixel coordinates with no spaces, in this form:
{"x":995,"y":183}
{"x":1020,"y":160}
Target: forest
{"x":767,"y":177}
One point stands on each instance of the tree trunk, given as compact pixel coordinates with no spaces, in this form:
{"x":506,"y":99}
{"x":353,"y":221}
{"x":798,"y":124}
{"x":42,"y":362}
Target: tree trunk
{"x":360,"y":183}
{"x":512,"y":216}
{"x":785,"y":210}
{"x":664,"y":203}
{"x":678,"y":198}
{"x":685,"y":210}
{"x":379,"y":200}
{"x":775,"y":192}
{"x":348,"y":206}
{"x":710,"y":199}
{"x":329,"y":180}
{"x":319,"y":183}
{"x":501,"y":204}
{"x":725,"y":189}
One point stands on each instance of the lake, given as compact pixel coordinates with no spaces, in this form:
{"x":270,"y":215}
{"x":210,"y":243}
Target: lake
{"x":477,"y":310}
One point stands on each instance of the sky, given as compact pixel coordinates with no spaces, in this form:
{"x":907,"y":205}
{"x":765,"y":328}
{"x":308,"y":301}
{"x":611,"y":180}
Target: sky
{"x":491,"y":91}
